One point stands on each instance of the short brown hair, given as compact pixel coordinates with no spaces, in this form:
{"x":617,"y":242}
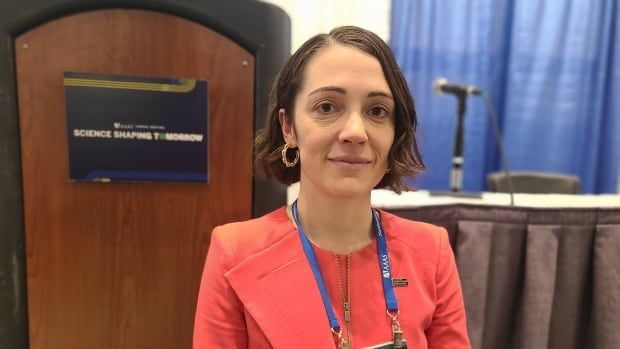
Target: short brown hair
{"x":404,"y":159}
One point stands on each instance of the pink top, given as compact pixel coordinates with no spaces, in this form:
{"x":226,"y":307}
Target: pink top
{"x":369,"y":323}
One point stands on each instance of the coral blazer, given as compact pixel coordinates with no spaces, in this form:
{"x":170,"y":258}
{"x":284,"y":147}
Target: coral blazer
{"x":258,"y":291}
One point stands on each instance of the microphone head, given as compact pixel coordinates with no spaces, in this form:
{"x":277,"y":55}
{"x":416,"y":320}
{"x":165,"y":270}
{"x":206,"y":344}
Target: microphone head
{"x":438,"y":84}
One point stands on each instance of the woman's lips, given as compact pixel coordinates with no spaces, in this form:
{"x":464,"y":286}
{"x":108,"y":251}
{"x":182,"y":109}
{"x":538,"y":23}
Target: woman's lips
{"x":350,"y":162}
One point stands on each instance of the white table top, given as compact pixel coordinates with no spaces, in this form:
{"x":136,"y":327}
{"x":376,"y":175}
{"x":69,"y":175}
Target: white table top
{"x":382,"y":198}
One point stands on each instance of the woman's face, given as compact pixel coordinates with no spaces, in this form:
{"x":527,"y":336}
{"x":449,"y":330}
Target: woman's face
{"x":343,"y":123}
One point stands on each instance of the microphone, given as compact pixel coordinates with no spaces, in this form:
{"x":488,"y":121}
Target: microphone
{"x":442,"y":85}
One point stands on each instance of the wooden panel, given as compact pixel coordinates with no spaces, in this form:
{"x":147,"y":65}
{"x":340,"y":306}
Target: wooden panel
{"x":118,"y":265}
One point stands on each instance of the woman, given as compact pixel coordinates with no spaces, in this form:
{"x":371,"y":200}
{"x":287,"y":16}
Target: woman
{"x":329,"y":271}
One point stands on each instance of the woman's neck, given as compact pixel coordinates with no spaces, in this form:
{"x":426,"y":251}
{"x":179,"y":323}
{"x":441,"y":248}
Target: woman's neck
{"x":340,"y":225}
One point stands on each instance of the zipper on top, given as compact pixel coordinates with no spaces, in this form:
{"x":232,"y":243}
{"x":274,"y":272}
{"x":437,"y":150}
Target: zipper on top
{"x":345,"y":295}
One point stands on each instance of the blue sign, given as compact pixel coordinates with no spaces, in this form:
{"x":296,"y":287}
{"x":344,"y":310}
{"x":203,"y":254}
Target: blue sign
{"x":125,"y":128}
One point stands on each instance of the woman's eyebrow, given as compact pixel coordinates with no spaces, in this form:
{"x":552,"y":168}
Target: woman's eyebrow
{"x":329,"y":89}
{"x":379,"y":94}
{"x":344,"y":92}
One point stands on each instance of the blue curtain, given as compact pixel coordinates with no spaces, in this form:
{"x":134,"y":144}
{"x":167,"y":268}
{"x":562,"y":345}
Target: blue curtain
{"x":552,"y":69}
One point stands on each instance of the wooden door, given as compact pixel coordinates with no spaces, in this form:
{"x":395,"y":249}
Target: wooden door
{"x":118,"y":265}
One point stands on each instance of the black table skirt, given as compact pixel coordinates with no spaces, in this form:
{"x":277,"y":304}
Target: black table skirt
{"x":532,"y":277}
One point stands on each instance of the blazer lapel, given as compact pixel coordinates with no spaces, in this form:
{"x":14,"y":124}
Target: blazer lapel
{"x":278,"y":289}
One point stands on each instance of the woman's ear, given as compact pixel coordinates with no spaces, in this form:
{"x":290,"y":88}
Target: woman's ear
{"x":288,"y":131}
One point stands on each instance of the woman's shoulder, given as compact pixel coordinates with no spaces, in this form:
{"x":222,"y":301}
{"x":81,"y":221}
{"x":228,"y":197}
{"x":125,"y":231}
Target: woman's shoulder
{"x":252,"y":236}
{"x":419,"y":236}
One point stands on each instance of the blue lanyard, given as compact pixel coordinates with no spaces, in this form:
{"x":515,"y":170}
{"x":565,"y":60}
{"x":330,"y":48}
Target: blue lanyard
{"x":384,"y":266}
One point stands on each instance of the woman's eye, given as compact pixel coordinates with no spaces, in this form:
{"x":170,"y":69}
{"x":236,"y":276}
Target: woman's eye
{"x":326,"y":108}
{"x":379,"y":111}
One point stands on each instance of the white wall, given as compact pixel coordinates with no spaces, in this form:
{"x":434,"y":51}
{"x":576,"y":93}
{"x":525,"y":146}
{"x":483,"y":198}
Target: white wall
{"x":311,"y":17}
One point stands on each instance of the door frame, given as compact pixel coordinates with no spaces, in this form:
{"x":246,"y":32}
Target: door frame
{"x":260,"y":28}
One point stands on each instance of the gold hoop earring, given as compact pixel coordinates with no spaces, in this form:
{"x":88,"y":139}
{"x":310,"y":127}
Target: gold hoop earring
{"x":285,"y":158}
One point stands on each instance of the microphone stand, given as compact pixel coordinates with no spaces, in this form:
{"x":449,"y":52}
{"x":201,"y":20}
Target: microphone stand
{"x":456,"y":174}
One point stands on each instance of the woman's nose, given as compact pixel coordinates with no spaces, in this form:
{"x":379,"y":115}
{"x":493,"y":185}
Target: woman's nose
{"x":353,"y":129}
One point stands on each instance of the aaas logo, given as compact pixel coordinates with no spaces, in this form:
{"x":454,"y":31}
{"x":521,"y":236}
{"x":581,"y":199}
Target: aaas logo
{"x":385,"y":266}
{"x":119,"y":125}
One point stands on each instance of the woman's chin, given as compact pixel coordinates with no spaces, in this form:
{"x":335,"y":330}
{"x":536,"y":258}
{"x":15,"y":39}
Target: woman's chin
{"x":350,"y":188}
